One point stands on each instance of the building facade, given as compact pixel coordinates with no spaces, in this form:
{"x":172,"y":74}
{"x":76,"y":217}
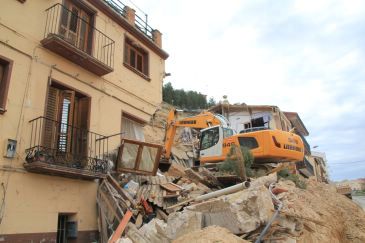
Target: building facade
{"x":244,"y":116}
{"x":70,"y":72}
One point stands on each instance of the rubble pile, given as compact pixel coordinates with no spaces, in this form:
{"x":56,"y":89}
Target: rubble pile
{"x":315,"y":214}
{"x":193,"y":204}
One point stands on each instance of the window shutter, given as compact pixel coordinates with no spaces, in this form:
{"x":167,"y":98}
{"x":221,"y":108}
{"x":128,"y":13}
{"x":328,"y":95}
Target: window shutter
{"x":81,"y":121}
{"x":67,"y":104}
{"x":51,"y":125}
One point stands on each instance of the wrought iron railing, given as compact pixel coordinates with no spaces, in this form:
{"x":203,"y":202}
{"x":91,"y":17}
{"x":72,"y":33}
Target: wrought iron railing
{"x":117,"y":5}
{"x":77,"y":29}
{"x":143,"y":26}
{"x":58,"y":143}
{"x":140,"y":23}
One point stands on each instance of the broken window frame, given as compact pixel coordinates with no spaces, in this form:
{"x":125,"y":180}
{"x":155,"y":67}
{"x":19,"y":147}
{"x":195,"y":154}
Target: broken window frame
{"x":138,"y":159}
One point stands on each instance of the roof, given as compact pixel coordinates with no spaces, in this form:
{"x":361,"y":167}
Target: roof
{"x":294,"y":118}
{"x":240,"y":107}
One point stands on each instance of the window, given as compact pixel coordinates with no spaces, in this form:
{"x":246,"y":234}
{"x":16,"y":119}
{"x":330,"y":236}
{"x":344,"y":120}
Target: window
{"x":132,"y":130}
{"x":66,"y":227}
{"x":247,"y":125}
{"x":5,"y":73}
{"x":135,"y":57}
{"x":65,"y":128}
{"x":248,"y":142}
{"x":75,"y":26}
{"x":227,"y":132}
{"x":209,"y":138}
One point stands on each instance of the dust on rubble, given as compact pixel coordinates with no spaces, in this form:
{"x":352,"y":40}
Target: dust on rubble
{"x":321,"y":214}
{"x":210,"y":234}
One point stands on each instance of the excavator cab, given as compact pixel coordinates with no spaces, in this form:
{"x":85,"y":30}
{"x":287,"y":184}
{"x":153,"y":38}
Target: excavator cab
{"x":211,"y":142}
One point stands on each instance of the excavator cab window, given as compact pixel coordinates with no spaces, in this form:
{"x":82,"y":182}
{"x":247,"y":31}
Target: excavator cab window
{"x":227,"y":132}
{"x":209,"y":138}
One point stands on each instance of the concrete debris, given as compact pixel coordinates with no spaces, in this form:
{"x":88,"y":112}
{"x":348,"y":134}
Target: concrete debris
{"x":240,"y":212}
{"x":211,"y":234}
{"x":124,"y":240}
{"x":154,"y":231}
{"x":184,"y":222}
{"x":264,"y":180}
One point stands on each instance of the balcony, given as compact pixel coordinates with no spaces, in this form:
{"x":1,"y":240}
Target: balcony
{"x":72,"y":35}
{"x":60,"y":149}
{"x":305,"y":168}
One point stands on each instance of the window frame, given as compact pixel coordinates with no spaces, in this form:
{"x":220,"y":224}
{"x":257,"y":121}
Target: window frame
{"x":129,"y":46}
{"x":83,"y":9}
{"x":5,"y":82}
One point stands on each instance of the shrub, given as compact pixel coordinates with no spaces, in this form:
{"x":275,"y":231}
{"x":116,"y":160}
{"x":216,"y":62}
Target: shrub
{"x":233,"y":165}
{"x":285,"y":174}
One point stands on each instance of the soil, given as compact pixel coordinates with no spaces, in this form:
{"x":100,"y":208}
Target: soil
{"x":324,"y":214}
{"x":211,"y":234}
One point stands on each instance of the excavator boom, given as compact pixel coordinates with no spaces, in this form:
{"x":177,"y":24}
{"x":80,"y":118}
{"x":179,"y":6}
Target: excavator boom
{"x":200,"y":121}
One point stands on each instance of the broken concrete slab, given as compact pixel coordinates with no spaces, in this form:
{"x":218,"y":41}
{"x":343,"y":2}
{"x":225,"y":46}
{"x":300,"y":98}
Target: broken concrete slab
{"x":181,"y":223}
{"x":264,"y":180}
{"x":154,"y":231}
{"x":241,"y":212}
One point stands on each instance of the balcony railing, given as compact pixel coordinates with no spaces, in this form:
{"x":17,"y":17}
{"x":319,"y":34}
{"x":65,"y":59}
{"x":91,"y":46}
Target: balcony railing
{"x":139,"y":23}
{"x":76,"y":29}
{"x":62,"y":145}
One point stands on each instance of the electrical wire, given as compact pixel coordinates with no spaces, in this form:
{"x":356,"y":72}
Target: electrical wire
{"x":349,"y":162}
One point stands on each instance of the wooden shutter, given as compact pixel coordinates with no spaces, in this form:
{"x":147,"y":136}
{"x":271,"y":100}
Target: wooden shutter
{"x":81,"y":121}
{"x":50,"y":123}
{"x":67,"y":105}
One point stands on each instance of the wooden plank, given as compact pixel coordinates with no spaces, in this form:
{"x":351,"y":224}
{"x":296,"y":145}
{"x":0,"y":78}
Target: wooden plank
{"x":172,"y":187}
{"x":109,"y":205}
{"x":119,"y":231}
{"x":120,"y":190}
{"x":114,"y":199}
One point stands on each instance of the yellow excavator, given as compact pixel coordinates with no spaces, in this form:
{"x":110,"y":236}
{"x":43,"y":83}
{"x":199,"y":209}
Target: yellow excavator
{"x":216,"y":138}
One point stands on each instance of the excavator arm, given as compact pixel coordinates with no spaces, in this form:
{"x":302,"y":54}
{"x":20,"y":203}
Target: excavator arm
{"x":200,"y":121}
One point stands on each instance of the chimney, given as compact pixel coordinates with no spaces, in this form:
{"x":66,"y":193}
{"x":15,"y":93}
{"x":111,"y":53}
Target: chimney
{"x":157,"y":38}
{"x":130,"y":15}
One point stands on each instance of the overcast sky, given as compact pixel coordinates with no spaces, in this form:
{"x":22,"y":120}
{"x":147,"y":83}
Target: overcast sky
{"x":304,"y":56}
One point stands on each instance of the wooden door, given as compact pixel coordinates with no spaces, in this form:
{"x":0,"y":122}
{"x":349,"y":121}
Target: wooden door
{"x":75,"y":25}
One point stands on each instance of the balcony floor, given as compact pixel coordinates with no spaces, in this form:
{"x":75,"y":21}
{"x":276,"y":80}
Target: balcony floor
{"x":58,"y":45}
{"x":58,"y":170}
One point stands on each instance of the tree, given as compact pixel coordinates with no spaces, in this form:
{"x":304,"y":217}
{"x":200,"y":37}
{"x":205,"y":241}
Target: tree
{"x":183,"y":99}
{"x":211,"y":102}
{"x":168,"y":93}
